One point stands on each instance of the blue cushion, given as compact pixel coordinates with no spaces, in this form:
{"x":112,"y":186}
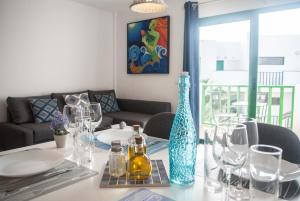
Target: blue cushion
{"x":108,"y":102}
{"x":43,"y":109}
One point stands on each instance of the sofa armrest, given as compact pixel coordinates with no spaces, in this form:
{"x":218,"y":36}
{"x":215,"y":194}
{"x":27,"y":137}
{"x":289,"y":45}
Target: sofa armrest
{"x":14,"y":136}
{"x":142,"y":106}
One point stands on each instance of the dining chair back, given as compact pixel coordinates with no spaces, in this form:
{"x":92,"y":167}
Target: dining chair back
{"x":160,"y":125}
{"x":281,"y":137}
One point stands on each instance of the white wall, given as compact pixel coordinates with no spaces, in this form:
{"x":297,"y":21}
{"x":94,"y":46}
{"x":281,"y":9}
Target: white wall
{"x":53,"y":46}
{"x":150,"y":87}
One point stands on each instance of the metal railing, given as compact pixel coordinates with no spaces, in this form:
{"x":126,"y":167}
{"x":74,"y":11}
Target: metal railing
{"x":275,"y":104}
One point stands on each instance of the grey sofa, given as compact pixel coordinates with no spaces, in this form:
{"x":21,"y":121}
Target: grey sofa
{"x":21,"y":130}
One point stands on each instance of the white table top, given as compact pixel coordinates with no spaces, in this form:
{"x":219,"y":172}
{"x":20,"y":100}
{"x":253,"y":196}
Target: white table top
{"x":89,"y":190}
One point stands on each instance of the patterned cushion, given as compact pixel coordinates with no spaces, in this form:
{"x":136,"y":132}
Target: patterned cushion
{"x":77,"y":99}
{"x":43,"y":109}
{"x":108,"y":102}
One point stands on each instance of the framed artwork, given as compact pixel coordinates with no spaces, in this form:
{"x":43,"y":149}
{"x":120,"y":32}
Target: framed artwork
{"x":148,"y":46}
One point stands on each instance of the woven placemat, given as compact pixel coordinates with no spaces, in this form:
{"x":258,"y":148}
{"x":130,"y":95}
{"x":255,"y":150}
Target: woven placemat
{"x":27,"y":188}
{"x":158,"y":178}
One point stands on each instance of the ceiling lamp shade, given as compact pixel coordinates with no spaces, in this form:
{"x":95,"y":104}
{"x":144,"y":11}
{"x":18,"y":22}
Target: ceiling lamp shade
{"x":148,"y":6}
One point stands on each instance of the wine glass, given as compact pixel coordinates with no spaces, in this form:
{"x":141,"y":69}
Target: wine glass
{"x":230,"y":150}
{"x":70,"y":113}
{"x":239,"y":192}
{"x":95,"y":114}
{"x":251,"y":126}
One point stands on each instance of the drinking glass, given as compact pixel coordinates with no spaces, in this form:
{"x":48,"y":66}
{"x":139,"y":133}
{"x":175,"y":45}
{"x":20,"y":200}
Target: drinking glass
{"x":238,"y":192}
{"x":211,"y":168}
{"x":95,"y":113}
{"x":230,"y":150}
{"x":70,"y":113}
{"x":83,"y":147}
{"x":265,"y":163}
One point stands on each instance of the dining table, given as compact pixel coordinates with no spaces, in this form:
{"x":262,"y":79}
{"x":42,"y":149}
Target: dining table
{"x":89,"y":189}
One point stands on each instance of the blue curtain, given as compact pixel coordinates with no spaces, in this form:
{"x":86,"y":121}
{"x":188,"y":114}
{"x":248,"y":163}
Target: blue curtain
{"x":191,"y":56}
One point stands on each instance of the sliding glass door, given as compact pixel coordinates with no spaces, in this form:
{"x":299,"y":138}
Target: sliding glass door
{"x":224,"y":60}
{"x":279,"y":67}
{"x":250,"y":65}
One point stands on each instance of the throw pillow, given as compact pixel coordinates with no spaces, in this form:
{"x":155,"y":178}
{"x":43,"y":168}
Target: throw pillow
{"x":108,"y":102}
{"x":43,"y":109}
{"x":77,"y":99}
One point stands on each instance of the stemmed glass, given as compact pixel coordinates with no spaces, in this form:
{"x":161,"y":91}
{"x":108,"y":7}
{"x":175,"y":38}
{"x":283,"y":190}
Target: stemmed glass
{"x":239,"y":192}
{"x":251,"y":126}
{"x":95,"y":114}
{"x":230,"y":150}
{"x":70,"y":113}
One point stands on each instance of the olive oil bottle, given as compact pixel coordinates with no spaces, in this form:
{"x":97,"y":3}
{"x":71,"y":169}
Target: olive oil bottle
{"x":139,"y":165}
{"x":132,"y":143}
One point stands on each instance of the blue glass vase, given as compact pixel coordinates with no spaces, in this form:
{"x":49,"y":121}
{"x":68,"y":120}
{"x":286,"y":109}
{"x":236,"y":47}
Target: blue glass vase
{"x":183,"y":138}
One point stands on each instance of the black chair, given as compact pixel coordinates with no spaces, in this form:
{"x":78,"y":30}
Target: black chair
{"x":160,"y":125}
{"x":281,"y":137}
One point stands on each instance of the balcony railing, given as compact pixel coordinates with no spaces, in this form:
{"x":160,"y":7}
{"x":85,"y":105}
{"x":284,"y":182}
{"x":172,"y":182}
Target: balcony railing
{"x":275,"y":104}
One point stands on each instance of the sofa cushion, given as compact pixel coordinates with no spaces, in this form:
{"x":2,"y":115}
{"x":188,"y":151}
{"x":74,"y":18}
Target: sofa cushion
{"x":61,"y":100}
{"x":43,"y":109}
{"x":130,"y":118}
{"x":19,"y":108}
{"x":99,"y":92}
{"x":14,"y":136}
{"x":105,"y":123}
{"x":41,"y":132}
{"x":77,"y":99}
{"x":108,"y":102}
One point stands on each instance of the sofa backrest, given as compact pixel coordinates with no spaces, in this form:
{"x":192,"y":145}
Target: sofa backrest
{"x":143,"y":106}
{"x":19,"y":108}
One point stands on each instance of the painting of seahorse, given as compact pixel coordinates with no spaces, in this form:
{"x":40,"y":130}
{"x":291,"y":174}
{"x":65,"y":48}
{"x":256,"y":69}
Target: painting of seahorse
{"x":148,"y":46}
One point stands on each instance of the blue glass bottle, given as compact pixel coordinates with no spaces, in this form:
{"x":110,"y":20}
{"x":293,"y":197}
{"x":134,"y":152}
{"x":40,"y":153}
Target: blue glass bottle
{"x":183,"y":138}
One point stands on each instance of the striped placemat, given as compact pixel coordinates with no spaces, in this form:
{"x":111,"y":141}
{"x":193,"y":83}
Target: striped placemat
{"x":27,"y":188}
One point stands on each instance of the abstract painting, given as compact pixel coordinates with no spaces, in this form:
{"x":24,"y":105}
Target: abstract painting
{"x":148,"y":46}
